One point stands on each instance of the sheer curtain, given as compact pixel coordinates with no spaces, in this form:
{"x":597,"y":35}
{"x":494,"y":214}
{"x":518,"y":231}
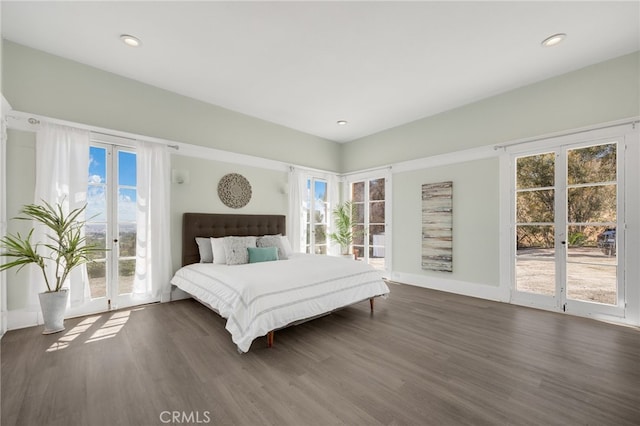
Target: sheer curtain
{"x":296,"y":229}
{"x":62,"y":167}
{"x":153,"y":247}
{"x":334,"y":199}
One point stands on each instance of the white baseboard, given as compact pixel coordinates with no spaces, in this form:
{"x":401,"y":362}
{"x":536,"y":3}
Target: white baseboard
{"x":3,"y":329}
{"x":464,"y":288}
{"x":21,"y":318}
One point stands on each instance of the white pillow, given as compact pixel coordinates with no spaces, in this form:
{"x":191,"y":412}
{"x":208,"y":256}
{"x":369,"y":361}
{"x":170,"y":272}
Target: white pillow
{"x":205,"y":249}
{"x":219,"y":255}
{"x":273,"y":241}
{"x":286,"y":245}
{"x":236,"y":249}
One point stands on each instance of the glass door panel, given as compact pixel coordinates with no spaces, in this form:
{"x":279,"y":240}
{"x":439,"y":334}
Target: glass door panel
{"x":377,"y":223}
{"x":126,"y":214}
{"x":592,"y":262}
{"x":535,"y":266}
{"x":536,"y":259}
{"x":126,"y":274}
{"x":96,"y":215}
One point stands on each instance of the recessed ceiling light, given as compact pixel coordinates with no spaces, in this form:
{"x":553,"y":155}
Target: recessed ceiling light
{"x":341,"y":122}
{"x":130,"y":40}
{"x":553,"y":40}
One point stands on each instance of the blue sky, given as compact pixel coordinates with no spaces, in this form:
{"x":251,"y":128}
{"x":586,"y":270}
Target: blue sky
{"x":96,"y":198}
{"x":98,"y":166}
{"x":320,"y":188}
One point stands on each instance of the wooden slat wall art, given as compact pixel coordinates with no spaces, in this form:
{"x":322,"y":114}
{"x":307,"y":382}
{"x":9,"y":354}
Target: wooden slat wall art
{"x":437,"y":226}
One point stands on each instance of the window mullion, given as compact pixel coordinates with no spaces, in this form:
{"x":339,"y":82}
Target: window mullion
{"x":112,"y":206}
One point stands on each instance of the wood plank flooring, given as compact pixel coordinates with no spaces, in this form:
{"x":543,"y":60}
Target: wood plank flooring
{"x":423,"y":358}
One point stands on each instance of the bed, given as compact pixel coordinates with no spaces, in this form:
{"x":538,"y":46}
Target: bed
{"x":257,"y":299}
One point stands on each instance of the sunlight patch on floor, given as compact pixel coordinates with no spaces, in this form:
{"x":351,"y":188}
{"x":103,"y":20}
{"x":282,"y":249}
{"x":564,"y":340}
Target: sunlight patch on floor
{"x":69,"y":336}
{"x":109,"y":329}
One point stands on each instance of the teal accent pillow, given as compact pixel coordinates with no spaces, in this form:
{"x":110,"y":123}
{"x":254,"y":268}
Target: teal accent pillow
{"x":262,"y":254}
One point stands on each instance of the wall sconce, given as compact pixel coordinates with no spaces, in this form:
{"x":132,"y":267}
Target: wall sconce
{"x":179,"y":176}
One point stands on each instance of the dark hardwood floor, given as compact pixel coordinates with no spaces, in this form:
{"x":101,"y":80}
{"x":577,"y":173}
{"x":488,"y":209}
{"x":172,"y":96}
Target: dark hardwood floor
{"x":423,"y":358}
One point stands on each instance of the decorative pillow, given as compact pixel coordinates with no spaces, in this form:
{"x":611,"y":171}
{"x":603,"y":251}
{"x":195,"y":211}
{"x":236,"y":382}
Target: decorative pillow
{"x":286,"y":245}
{"x":235,"y":249}
{"x":219,"y":255}
{"x":273,"y":241}
{"x":262,"y":254}
{"x":205,"y":249}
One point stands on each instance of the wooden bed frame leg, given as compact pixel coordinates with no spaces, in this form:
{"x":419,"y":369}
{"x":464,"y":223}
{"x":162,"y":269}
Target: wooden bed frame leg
{"x":371,"y":304}
{"x":270,"y":339}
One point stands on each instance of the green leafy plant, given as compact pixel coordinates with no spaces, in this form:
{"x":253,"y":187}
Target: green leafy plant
{"x":66,"y":247}
{"x":345,"y":233}
{"x":577,"y":239}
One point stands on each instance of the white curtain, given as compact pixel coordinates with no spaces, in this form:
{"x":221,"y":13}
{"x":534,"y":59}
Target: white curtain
{"x":296,"y":226}
{"x":334,"y":199}
{"x":62,"y":167}
{"x":3,"y":218}
{"x":153,"y":248}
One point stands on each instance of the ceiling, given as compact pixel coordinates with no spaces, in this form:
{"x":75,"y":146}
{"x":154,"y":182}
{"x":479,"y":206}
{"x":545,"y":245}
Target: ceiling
{"x":306,"y":65}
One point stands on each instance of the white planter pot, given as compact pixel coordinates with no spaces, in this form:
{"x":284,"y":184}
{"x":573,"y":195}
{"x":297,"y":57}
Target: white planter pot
{"x":54,"y":306}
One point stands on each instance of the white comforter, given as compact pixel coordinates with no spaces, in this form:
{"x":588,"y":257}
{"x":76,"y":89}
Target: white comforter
{"x":261,"y":297}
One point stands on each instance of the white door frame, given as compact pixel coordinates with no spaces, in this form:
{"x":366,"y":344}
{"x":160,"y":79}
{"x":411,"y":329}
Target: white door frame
{"x":388,"y":210}
{"x":627,"y":137}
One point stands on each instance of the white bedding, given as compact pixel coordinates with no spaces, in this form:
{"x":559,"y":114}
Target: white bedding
{"x":260,"y":297}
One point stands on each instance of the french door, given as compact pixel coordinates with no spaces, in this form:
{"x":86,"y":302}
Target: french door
{"x":370,"y":219}
{"x":568,"y":233}
{"x":111,"y":223}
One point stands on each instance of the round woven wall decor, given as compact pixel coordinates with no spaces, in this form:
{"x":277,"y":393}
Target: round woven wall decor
{"x":234,"y":190}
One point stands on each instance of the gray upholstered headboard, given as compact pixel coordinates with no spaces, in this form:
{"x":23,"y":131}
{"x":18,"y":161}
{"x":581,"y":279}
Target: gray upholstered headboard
{"x":224,"y":225}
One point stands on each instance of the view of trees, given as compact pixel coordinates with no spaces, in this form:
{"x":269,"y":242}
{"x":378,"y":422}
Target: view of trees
{"x":591,"y":196}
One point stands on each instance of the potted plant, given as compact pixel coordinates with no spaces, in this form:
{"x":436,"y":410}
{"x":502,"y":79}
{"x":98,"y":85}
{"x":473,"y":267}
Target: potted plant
{"x":65,"y":249}
{"x":344,"y":234}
